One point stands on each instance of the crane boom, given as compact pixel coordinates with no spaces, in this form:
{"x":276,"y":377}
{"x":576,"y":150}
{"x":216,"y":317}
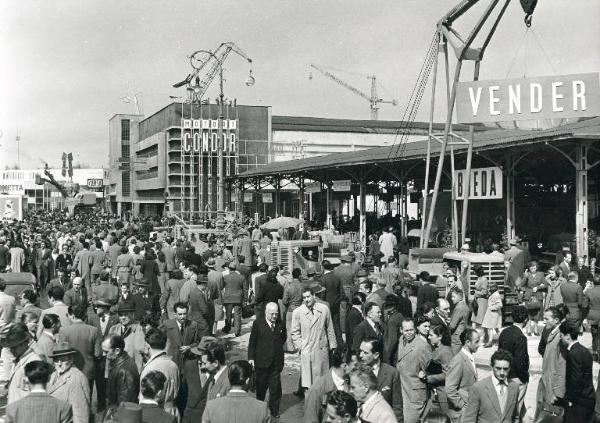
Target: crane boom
{"x":373,"y":99}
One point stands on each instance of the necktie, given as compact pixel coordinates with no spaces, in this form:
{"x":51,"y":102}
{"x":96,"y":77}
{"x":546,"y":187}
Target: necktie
{"x":181,"y":331}
{"x":103,"y":319}
{"x":502,"y":398}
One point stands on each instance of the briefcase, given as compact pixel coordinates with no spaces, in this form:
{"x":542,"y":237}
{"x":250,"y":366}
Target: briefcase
{"x":550,"y":413}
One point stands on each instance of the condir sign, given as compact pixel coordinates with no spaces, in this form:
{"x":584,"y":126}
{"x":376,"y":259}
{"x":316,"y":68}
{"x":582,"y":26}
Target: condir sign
{"x":486,"y":184}
{"x":547,"y":97}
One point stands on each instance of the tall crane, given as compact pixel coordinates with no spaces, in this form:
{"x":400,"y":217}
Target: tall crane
{"x":213,"y":61}
{"x":373,"y":99}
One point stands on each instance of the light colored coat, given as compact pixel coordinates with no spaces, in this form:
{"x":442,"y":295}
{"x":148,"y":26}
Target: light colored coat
{"x":18,"y":385}
{"x":552,"y":382}
{"x":377,"y":409}
{"x":135,"y":342}
{"x":458,"y":323}
{"x":493,"y":314}
{"x":161,"y":362}
{"x":314,"y":336}
{"x":82,"y":262}
{"x":61,"y":310}
{"x":236,"y":407}
{"x":460,"y":377}
{"x":7,"y":309}
{"x":412,"y":358}
{"x":484,"y":406}
{"x":72,"y":387}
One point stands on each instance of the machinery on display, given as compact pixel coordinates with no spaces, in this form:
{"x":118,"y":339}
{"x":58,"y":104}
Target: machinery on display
{"x":305,"y":255}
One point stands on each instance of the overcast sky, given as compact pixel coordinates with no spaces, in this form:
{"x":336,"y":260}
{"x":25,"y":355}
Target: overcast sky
{"x":66,"y":64}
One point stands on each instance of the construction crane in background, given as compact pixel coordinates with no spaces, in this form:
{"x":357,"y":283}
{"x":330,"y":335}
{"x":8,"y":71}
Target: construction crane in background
{"x":373,"y":99}
{"x":213,"y":62}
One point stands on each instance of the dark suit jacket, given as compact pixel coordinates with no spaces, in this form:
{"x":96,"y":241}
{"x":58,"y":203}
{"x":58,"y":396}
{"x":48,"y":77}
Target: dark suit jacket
{"x":483,"y":405}
{"x":269,"y":292}
{"x":512,"y":340}
{"x":86,"y":339}
{"x":145,"y":305}
{"x":388,"y":383}
{"x":40,"y":408}
{"x":236,"y":407}
{"x":191,"y":336}
{"x":579,"y":385}
{"x":353,"y":319}
{"x":71,"y":298}
{"x":364,"y":331}
{"x":265,"y":346}
{"x":94,"y":320}
{"x":258,"y":283}
{"x":123,"y":382}
{"x":391,"y":335}
{"x":152,"y":413}
{"x":202,"y":311}
{"x":334,"y":293}
{"x":426,"y":293}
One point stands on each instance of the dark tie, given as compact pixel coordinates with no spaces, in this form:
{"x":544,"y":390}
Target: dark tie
{"x":103,"y":318}
{"x":182,"y":331}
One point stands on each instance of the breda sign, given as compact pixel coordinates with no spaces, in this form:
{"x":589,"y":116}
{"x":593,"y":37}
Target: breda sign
{"x":486,"y":184}
{"x":547,"y":97}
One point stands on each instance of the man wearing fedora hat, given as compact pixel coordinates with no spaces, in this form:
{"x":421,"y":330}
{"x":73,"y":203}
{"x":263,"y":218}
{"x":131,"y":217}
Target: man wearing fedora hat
{"x":146,"y":303}
{"x":67,"y":383}
{"x":38,"y":406}
{"x":518,"y":259}
{"x":202,"y":308}
{"x":17,"y":339}
{"x":132,"y":333}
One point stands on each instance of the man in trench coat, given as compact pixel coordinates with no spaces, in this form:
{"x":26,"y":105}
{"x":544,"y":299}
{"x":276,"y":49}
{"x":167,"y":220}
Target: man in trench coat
{"x":313,"y":336}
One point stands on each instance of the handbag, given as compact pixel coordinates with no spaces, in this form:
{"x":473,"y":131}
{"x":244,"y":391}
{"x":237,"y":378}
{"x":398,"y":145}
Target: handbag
{"x":550,"y":413}
{"x":247,"y":311}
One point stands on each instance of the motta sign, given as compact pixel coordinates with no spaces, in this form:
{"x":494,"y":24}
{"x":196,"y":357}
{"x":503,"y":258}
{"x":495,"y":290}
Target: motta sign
{"x":267,"y":197}
{"x":343,"y":185}
{"x":312,"y":188}
{"x":248,"y":198}
{"x":201,"y":136}
{"x":486,"y":184}
{"x":547,"y":97}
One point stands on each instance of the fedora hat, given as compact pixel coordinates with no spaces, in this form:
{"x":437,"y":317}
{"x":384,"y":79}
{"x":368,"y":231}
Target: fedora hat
{"x":61,"y":349}
{"x":141,"y":282}
{"x":14,"y":335}
{"x":125,"y":308}
{"x":317,"y":288}
{"x":203,"y":344}
{"x":101,"y":303}
{"x":211,"y":262}
{"x":129,"y":412}
{"x":232,"y":265}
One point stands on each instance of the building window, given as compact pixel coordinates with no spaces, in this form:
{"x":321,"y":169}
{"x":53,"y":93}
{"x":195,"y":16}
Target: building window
{"x":125,"y":124}
{"x":125,"y":151}
{"x":126,"y":184}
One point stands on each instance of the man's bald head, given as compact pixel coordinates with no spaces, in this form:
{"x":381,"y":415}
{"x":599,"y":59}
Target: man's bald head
{"x":271,"y":312}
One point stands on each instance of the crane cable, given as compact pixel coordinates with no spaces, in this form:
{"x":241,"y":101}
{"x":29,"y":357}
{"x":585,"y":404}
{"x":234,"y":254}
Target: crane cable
{"x":412,"y":107}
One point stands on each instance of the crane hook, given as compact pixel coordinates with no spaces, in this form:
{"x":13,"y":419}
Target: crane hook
{"x":527,"y":20}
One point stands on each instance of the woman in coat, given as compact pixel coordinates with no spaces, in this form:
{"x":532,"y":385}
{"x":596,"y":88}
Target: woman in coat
{"x":492,"y":321}
{"x":149,"y":269}
{"x":439,"y":339}
{"x":534,"y":298}
{"x":481,"y":295}
{"x":554,"y":280}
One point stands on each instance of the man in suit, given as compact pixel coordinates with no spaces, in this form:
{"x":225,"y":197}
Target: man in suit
{"x":202,"y":307}
{"x":49,"y":337}
{"x":159,"y":361}
{"x":580,"y":397}
{"x":414,"y":356}
{"x":260,"y":279}
{"x":566,"y":265}
{"x":334,"y":293}
{"x":513,"y":340}
{"x":78,"y":294}
{"x":574,"y":298}
{"x":98,"y":258}
{"x":393,"y":325}
{"x":213,"y":362}
{"x":38,"y":406}
{"x":341,"y":407}
{"x":427,"y":293}
{"x":388,"y":378}
{"x":355,"y":315}
{"x":146,"y":304}
{"x":69,"y":384}
{"x":237,"y":406}
{"x":494,"y":399}
{"x":103,"y":320}
{"x":334,"y":380}
{"x":441,"y":314}
{"x":265,"y":353}
{"x":243,"y":268}
{"x":459,"y":320}
{"x":593,"y":317}
{"x":82,"y":262}
{"x":234,"y":294}
{"x":270,"y":291}
{"x":370,"y":327}
{"x":373,"y":406}
{"x":123,"y":381}
{"x":106,"y":291}
{"x":131,"y":333}
{"x":215,"y":288}
{"x":461,"y":375}
{"x":313,"y":335}
{"x":58,"y":307}
{"x":169,"y":253}
{"x":182,"y":336}
{"x":151,"y":393}
{"x":551,"y":387}
{"x":380,"y":294}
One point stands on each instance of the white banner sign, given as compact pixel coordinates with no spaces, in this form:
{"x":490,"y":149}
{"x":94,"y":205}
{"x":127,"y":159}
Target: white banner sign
{"x":248,"y":197}
{"x":312,"y":188}
{"x":267,"y":197}
{"x":486,"y":184}
{"x":342,"y":185}
{"x":547,"y":97}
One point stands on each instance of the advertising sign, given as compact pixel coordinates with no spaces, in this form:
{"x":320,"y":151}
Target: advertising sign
{"x":546,"y":97}
{"x":486,"y":184}
{"x":343,"y":185}
{"x":200,"y":136}
{"x":267,"y":197}
{"x":95,"y":183}
{"x":248,"y":197}
{"x":11,"y":207}
{"x":312,"y":188}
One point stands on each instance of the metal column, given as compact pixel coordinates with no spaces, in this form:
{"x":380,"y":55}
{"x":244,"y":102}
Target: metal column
{"x":329,"y":217}
{"x":581,"y":186}
{"x":301,"y":198}
{"x":510,"y":198}
{"x":363,"y":214}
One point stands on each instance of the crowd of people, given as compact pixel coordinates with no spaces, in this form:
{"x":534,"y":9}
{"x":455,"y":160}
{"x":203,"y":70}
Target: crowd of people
{"x":136,"y":319}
